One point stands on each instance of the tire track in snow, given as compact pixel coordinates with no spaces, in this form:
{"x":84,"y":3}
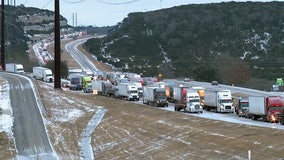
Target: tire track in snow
{"x":85,"y":143}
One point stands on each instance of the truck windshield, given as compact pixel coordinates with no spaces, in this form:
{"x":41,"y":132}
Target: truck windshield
{"x":132,"y":91}
{"x":226,"y":101}
{"x":161,"y":95}
{"x":244,"y":104}
{"x":75,"y":81}
{"x":194,"y":100}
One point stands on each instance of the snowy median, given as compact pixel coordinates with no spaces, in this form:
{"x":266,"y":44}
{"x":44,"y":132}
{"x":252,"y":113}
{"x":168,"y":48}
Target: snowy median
{"x":85,"y":143}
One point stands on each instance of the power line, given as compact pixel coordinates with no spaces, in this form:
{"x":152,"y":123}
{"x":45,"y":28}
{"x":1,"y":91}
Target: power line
{"x":118,"y":3}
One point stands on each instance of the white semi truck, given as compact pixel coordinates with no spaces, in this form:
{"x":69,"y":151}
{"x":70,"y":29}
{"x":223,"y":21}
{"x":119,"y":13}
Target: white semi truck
{"x":42,"y":73}
{"x":14,"y":67}
{"x":155,"y":96}
{"x":189,"y":103}
{"x":218,"y":100}
{"x":128,"y":91}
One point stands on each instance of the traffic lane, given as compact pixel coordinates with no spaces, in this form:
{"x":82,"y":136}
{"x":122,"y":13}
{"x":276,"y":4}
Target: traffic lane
{"x":29,"y":131}
{"x":227,"y":117}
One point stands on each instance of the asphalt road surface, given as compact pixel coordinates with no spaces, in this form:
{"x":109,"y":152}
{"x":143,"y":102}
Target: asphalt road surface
{"x":29,"y":131}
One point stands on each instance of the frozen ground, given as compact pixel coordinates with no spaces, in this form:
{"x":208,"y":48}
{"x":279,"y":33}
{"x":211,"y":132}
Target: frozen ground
{"x":6,"y":118}
{"x":233,"y":118}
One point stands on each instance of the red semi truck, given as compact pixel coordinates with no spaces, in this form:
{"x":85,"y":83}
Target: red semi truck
{"x":269,"y":108}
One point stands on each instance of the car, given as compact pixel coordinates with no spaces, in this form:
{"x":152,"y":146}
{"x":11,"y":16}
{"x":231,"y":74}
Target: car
{"x":215,"y":83}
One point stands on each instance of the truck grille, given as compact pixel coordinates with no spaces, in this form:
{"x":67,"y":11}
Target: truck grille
{"x":227,"y":107}
{"x":197,"y":107}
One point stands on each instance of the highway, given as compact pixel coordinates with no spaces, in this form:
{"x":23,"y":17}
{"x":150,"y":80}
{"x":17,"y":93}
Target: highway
{"x":79,"y":57}
{"x":29,"y":131}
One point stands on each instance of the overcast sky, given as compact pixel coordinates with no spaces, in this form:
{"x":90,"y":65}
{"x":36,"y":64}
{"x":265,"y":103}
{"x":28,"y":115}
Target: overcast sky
{"x":106,"y":12}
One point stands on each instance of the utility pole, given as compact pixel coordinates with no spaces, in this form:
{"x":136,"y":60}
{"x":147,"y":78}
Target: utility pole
{"x":2,"y":37}
{"x":57,"y":49}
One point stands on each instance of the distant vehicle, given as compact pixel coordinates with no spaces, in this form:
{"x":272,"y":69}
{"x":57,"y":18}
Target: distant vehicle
{"x":42,"y":73}
{"x":242,"y":107}
{"x":14,"y":67}
{"x":269,"y":108}
{"x":102,"y":87}
{"x":214,"y":83}
{"x":88,"y":73}
{"x":128,"y":91}
{"x":179,"y":92}
{"x":155,"y":96}
{"x":218,"y":100}
{"x":149,"y":80}
{"x":189,"y":103}
{"x":76,"y":82}
{"x":87,"y":84}
{"x":139,"y":87}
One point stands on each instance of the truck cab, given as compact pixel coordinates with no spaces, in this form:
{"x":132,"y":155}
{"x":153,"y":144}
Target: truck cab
{"x":274,"y":108}
{"x":160,"y":97}
{"x":193,"y":102}
{"x":132,"y":92}
{"x":87,"y":84}
{"x":224,"y":101}
{"x":242,"y":107}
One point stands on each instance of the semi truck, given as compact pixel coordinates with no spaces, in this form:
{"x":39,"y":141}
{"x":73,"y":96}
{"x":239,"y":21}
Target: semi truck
{"x":87,"y":84}
{"x":155,"y":96}
{"x":218,"y":100}
{"x":128,"y":91}
{"x":102,"y":87}
{"x":42,"y":73}
{"x":76,"y":82}
{"x":14,"y":67}
{"x":269,"y":108}
{"x":190,"y":103}
{"x":242,"y":107}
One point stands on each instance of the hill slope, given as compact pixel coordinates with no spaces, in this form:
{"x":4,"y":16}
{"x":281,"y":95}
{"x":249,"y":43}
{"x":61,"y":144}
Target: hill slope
{"x":230,"y":42}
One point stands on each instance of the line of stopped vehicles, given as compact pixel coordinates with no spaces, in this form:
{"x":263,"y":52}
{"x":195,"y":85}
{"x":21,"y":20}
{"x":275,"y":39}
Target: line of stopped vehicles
{"x":183,"y":96}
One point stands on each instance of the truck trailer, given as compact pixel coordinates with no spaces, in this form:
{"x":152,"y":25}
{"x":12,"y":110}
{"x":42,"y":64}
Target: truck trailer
{"x":102,"y":87}
{"x":42,"y":73}
{"x":128,"y":91}
{"x":14,"y":67}
{"x":218,"y":100}
{"x":155,"y":96}
{"x":269,"y":108}
{"x":179,"y":93}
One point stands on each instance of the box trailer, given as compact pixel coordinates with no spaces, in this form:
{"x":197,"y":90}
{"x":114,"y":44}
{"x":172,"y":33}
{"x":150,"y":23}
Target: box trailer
{"x":14,"y":67}
{"x":218,"y":100}
{"x":42,"y":73}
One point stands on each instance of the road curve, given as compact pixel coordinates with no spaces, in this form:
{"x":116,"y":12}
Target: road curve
{"x":29,"y":131}
{"x":79,"y":57}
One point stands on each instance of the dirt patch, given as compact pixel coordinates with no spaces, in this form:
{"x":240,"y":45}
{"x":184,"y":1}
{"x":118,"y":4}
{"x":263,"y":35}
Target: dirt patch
{"x":7,"y":149}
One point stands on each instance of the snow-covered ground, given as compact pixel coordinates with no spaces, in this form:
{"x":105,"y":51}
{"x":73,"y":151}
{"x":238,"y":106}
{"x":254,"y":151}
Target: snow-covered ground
{"x":231,"y":117}
{"x":228,"y":117}
{"x":6,"y":119}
